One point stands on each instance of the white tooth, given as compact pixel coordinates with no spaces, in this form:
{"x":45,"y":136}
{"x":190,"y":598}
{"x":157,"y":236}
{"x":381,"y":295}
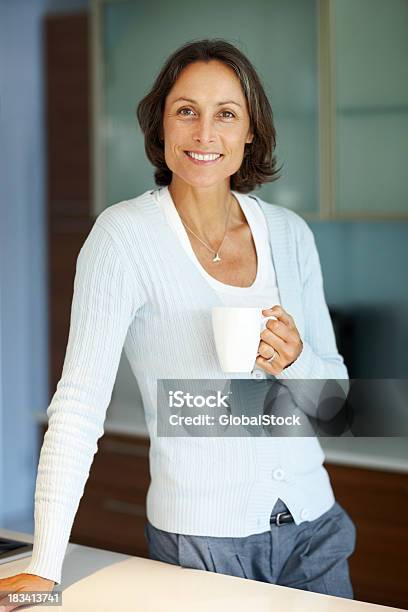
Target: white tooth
{"x":210,"y":157}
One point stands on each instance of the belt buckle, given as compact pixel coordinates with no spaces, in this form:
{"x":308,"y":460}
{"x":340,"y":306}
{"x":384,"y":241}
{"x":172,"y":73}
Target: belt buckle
{"x":278,"y":518}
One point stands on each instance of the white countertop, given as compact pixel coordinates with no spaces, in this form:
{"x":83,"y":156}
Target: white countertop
{"x":95,"y":579}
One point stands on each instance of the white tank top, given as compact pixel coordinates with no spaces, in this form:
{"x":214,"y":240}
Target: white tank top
{"x":263,"y":292}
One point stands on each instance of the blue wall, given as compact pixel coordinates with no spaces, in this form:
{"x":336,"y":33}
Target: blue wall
{"x":23,"y":249}
{"x":23,"y":262}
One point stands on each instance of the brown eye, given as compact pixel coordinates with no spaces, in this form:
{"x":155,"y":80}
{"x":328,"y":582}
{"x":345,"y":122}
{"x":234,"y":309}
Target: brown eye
{"x":229,"y":113}
{"x":183,"y":109}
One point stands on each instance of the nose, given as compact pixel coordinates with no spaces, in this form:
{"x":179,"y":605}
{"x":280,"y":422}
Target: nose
{"x":204,"y":130}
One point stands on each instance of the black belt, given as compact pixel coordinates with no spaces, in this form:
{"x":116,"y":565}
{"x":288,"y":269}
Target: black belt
{"x":280,"y":518}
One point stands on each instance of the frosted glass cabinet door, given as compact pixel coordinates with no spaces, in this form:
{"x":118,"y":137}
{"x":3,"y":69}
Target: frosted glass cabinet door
{"x":134,"y":39}
{"x":371,"y":88}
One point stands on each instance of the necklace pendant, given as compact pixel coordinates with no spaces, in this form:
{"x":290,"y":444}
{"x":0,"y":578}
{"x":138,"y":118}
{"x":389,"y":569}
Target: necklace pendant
{"x":216,"y":258}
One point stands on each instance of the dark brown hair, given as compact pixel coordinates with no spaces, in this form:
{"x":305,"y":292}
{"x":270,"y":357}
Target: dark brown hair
{"x":259,"y":162}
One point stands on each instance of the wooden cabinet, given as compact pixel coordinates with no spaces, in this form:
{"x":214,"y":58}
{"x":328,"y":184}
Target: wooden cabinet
{"x":377,"y":502}
{"x":67,"y":85}
{"x":112,"y":511}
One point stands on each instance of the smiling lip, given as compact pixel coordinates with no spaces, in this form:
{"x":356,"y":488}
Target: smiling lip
{"x":203,"y":162}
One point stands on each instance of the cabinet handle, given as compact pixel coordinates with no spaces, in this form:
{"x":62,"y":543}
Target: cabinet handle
{"x":125,"y":448}
{"x":115,"y":505}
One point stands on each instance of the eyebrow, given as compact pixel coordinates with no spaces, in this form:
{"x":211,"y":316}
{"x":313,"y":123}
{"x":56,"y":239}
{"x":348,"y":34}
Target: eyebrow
{"x":218,"y":103}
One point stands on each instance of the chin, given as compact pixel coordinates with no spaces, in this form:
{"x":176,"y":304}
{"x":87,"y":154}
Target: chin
{"x":202,"y":181}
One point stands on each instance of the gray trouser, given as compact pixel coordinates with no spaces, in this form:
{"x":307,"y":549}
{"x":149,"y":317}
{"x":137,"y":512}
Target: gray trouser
{"x":311,"y":556}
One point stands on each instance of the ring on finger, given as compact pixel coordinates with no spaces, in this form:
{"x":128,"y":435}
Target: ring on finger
{"x":274,"y":354}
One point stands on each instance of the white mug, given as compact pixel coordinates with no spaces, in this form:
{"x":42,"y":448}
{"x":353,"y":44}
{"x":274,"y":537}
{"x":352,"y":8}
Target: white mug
{"x":237,"y":331}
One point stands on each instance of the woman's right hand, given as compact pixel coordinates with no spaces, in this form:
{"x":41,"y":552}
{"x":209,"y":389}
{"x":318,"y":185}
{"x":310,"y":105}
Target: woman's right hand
{"x":19,"y":584}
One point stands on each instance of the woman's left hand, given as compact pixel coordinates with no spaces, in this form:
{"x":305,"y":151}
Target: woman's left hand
{"x":281,"y":335}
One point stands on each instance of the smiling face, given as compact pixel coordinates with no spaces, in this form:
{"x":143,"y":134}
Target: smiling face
{"x":205,"y":113}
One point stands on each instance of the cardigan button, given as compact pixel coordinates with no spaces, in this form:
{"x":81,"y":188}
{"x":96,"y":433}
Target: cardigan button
{"x":258,"y":374}
{"x":278,"y":474}
{"x":305,"y":514}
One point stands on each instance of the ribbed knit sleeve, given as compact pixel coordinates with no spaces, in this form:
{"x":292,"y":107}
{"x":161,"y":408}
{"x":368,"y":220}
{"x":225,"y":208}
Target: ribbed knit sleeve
{"x":319,"y":358}
{"x":103,"y":305}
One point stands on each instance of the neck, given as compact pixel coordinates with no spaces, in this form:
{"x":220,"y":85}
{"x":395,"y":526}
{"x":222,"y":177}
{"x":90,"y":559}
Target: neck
{"x":205,"y":209}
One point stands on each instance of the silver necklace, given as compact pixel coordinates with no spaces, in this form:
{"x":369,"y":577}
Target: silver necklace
{"x":216,"y":257}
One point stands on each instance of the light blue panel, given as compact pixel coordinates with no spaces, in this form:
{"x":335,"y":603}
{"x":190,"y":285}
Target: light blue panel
{"x":379,"y":254}
{"x":298,"y":186}
{"x":335,"y":259}
{"x":372,"y":105}
{"x":365,"y":275}
{"x":364,"y":262}
{"x":23,"y":261}
{"x":372,"y":51}
{"x":278,"y":37}
{"x":372,"y":163}
{"x":2,"y":408}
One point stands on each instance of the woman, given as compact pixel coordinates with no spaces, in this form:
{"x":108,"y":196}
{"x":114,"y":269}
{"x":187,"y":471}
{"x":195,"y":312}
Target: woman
{"x":147,"y":277}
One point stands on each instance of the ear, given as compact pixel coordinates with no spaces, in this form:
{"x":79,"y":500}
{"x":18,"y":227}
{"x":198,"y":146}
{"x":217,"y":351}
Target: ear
{"x":250,"y":138}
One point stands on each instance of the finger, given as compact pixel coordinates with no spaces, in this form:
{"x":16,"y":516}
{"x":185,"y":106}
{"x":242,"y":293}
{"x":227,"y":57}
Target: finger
{"x":280,"y":313}
{"x":266,"y":350}
{"x":271,"y":367}
{"x":6,"y":602}
{"x":276,"y":329}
